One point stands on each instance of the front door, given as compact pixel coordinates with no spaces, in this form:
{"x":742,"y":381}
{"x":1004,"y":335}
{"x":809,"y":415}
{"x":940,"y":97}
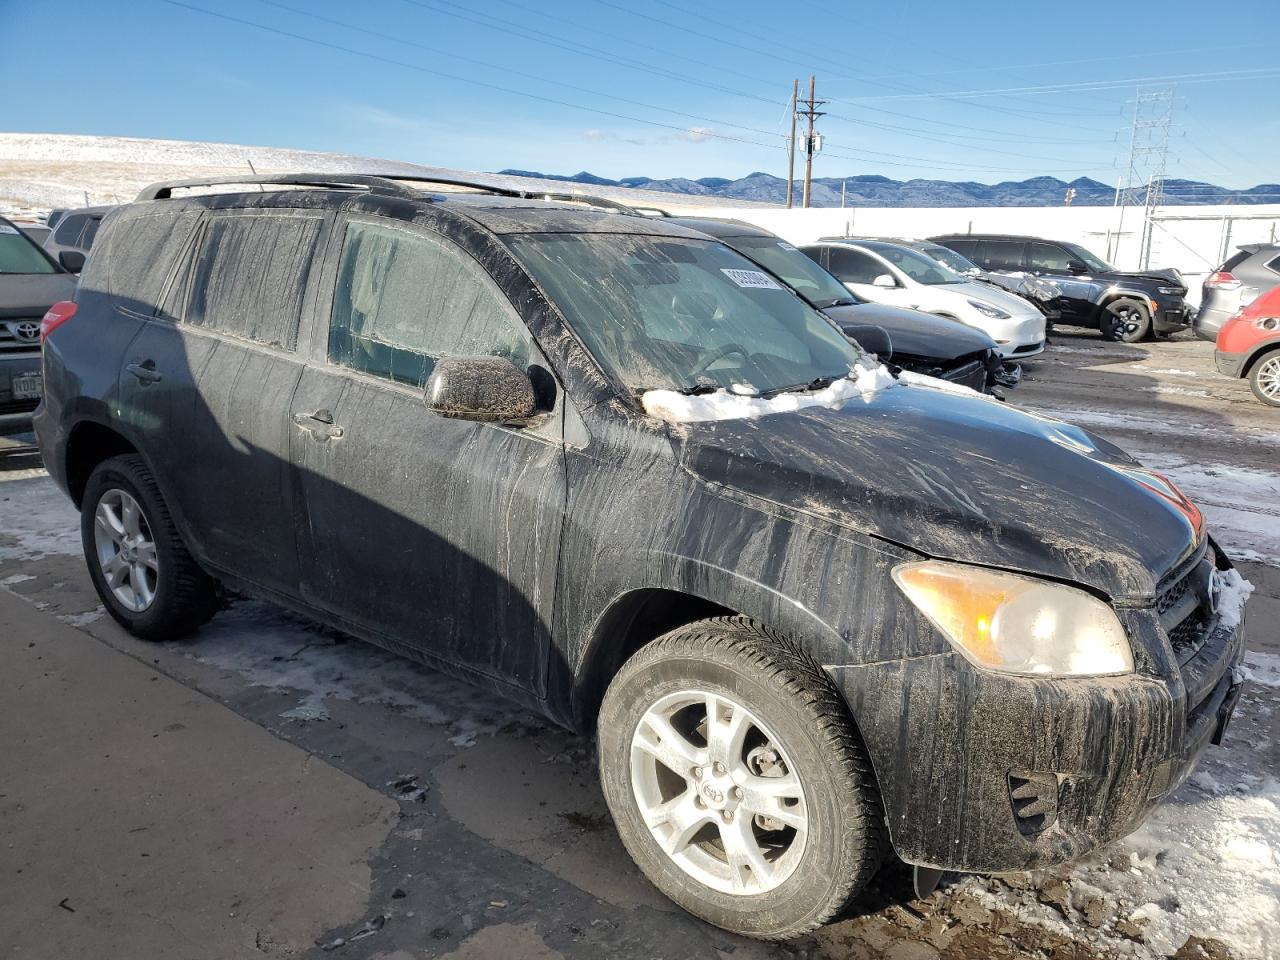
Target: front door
{"x":859,"y":271}
{"x":438,"y":534}
{"x":1079,"y":291}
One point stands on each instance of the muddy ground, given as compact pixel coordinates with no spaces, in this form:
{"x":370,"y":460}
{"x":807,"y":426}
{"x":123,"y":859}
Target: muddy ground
{"x":454,"y":824}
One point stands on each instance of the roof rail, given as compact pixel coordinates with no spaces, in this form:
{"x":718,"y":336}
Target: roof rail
{"x":342,"y":181}
{"x":385,"y":184}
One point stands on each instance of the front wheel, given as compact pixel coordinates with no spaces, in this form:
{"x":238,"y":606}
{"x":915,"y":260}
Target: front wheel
{"x":139,"y":565}
{"x":737,"y":780}
{"x":1126,"y":319}
{"x":1264,"y":378}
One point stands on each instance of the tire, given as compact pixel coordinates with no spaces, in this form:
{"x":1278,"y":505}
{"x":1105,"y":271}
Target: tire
{"x":1125,"y":319}
{"x":164,"y":599}
{"x":792,"y":714}
{"x":1264,"y":378}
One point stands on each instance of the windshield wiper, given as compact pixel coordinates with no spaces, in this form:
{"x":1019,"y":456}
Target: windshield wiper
{"x":838,"y":302}
{"x":817,"y":383}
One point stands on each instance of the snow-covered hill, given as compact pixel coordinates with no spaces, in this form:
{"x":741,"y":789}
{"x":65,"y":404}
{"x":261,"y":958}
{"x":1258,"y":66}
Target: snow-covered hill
{"x":39,"y":171}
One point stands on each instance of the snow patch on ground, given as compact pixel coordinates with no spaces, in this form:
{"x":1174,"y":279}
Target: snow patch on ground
{"x":36,"y":520}
{"x":83,"y":619}
{"x":1262,"y":668}
{"x":272,"y":648}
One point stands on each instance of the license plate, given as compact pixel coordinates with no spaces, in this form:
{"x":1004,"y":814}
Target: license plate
{"x":29,"y":386}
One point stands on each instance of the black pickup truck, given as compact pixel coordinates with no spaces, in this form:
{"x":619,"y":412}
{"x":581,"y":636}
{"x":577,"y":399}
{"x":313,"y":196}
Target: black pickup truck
{"x":1124,"y":306}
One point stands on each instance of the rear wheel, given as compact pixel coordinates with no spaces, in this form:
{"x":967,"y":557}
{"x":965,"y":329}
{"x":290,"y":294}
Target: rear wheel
{"x":139,"y":565}
{"x":1126,"y":319}
{"x":1264,"y":378}
{"x":737,"y":780}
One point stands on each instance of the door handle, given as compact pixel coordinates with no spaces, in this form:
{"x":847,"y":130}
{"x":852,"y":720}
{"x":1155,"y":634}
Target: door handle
{"x":144,"y":370}
{"x":319,"y":424}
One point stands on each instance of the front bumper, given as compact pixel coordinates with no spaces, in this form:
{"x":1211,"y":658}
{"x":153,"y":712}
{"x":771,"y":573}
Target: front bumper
{"x":18,"y":373}
{"x":1170,"y":317}
{"x":1229,"y":364}
{"x":988,"y":773}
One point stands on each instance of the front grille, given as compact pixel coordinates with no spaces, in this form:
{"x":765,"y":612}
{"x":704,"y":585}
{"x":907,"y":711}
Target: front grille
{"x":1186,"y":611}
{"x":20,"y":333}
{"x":18,"y":406}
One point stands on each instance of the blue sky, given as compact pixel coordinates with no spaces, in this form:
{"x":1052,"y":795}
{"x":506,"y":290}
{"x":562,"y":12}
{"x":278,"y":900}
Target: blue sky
{"x":660,"y":88}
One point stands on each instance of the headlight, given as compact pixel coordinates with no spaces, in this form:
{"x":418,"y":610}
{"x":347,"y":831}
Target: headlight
{"x":1171,"y":291}
{"x":1016,"y":624}
{"x":988,"y":311}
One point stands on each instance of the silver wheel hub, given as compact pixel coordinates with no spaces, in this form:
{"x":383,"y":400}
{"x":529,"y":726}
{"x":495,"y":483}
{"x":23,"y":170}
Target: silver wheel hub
{"x":125,"y":550}
{"x":718,"y":793}
{"x":1269,"y":377}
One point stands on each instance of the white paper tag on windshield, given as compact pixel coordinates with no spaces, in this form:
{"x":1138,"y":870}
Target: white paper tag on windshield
{"x":751,"y":278}
{"x":5,"y":228}
{"x":787,"y":246}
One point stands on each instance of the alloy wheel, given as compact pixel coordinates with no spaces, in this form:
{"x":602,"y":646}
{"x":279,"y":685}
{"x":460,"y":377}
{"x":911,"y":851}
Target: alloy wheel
{"x":1268,"y":378}
{"x":718,"y":792}
{"x":126,"y":550}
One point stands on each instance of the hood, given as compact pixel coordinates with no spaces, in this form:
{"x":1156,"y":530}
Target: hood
{"x":1161,"y":277}
{"x":995,"y":295}
{"x":31,"y":294}
{"x":959,"y":478}
{"x":913,"y":332}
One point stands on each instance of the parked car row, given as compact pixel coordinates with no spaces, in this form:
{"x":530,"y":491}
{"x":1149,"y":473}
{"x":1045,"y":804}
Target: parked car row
{"x":813,"y":613}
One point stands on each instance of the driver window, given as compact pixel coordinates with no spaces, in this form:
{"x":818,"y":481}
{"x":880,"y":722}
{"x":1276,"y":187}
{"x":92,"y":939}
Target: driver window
{"x":1050,"y":258}
{"x":404,"y":300}
{"x":853,"y":266}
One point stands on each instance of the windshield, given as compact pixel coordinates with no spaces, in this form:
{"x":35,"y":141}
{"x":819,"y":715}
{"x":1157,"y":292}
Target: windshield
{"x":1096,"y":264}
{"x":786,"y":261}
{"x":916,"y":265}
{"x":677,"y":314}
{"x":19,"y":255}
{"x":949,"y":258}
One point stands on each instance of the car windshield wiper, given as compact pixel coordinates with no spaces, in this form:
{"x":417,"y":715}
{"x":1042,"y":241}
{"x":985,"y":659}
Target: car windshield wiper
{"x":838,"y":302}
{"x":817,"y":383}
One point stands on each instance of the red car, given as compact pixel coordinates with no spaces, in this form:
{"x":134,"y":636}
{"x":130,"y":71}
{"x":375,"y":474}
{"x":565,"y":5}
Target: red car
{"x":1249,"y":346}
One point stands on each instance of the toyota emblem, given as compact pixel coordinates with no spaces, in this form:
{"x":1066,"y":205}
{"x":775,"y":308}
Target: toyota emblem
{"x":27,"y":330}
{"x":1215,"y":589}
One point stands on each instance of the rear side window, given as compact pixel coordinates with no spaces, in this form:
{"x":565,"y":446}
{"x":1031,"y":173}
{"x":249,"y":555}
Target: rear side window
{"x":404,"y":300}
{"x":1001,"y":254}
{"x":90,"y":231}
{"x":68,"y":232}
{"x":854,"y":266}
{"x":135,"y":254}
{"x":1233,"y":261}
{"x":1274,"y":265}
{"x":250,"y":276}
{"x":1051,"y":257}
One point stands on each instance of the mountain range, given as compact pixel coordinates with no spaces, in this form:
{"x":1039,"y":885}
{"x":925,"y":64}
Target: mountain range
{"x":876,"y":191}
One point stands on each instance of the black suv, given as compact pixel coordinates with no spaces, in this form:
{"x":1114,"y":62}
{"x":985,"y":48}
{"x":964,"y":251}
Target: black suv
{"x":1124,"y":306}
{"x":605,"y":465}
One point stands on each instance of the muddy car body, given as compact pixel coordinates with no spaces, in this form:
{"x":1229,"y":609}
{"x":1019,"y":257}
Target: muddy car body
{"x":738,"y":598}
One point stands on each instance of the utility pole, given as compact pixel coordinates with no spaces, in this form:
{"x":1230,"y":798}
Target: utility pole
{"x":791,"y":144}
{"x":812,"y":140}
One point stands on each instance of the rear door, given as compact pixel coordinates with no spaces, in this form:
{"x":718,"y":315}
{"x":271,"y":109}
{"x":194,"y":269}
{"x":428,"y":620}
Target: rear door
{"x":438,"y":535}
{"x":208,"y":383}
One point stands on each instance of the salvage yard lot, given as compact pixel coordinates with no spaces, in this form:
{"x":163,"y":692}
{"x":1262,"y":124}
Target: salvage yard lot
{"x":481,"y":831}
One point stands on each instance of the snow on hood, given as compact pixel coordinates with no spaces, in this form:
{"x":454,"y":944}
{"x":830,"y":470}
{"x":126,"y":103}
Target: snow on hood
{"x":865,"y":380}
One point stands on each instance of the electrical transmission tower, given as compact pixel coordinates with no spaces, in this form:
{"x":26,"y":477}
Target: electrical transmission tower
{"x":1143,"y":181}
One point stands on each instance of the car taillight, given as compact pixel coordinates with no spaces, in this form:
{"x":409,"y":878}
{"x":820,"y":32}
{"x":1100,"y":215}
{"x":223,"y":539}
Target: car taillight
{"x":57,"y":315}
{"x":1222,"y":279}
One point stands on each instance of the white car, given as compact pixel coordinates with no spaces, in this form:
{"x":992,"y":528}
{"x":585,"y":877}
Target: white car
{"x":891,"y":273}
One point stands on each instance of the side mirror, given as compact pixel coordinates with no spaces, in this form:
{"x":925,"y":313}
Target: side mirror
{"x":486,"y":389}
{"x":884,"y":280}
{"x":71,"y":260}
{"x":1077,"y":266}
{"x":871,"y":338}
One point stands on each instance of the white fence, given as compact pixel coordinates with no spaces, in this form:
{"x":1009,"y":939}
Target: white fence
{"x":1194,"y":240}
